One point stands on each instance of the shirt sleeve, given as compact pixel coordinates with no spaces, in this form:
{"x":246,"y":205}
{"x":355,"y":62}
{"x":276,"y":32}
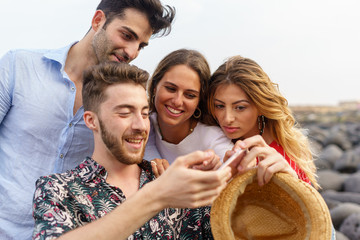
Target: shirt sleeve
{"x":51,"y":216}
{"x":6,"y":84}
{"x":151,"y":151}
{"x":219,"y":142}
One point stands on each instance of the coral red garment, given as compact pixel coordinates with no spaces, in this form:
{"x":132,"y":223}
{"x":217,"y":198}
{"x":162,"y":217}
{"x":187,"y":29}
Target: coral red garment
{"x":301,"y":174}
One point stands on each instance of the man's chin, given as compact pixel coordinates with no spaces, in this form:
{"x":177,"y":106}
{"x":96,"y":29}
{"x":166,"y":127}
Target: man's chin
{"x":130,"y":159}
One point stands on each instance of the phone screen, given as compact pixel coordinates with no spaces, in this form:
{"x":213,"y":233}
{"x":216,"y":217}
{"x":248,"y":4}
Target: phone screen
{"x":231,"y":159}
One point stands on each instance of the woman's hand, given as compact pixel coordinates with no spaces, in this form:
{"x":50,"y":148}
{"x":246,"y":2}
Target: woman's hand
{"x":180,"y":186}
{"x":235,"y":163}
{"x":159,"y":166}
{"x":268,"y":160}
{"x":211,"y":164}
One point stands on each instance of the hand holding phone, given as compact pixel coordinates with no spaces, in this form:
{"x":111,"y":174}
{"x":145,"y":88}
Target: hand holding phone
{"x":231,"y":159}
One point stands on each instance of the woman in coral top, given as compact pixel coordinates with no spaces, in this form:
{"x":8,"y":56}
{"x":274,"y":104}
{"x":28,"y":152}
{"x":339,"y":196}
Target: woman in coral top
{"x":251,"y":111}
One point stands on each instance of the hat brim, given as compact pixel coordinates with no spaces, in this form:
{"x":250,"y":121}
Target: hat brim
{"x":284,"y":208}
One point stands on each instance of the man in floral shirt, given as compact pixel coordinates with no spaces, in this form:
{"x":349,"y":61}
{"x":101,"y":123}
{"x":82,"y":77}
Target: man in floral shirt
{"x":106,"y":186}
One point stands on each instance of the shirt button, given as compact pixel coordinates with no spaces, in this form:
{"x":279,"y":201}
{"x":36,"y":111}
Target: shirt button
{"x":61,"y":156}
{"x":72,"y":89}
{"x":70,"y":124}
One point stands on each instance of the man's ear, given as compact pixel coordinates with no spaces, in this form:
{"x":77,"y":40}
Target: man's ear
{"x":98,"y":20}
{"x":91,"y":121}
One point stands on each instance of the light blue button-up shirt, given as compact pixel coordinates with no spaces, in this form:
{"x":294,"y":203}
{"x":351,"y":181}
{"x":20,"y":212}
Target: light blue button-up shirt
{"x":39,"y":134}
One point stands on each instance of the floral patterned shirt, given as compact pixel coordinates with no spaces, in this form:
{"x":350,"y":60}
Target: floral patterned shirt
{"x":63,"y":202}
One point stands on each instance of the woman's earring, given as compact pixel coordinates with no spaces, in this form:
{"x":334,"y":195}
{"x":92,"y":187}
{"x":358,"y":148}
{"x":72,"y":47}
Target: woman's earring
{"x":261,"y":122}
{"x":197,"y":113}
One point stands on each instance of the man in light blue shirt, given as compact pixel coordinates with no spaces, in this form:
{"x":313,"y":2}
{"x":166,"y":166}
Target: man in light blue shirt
{"x":41,"y":126}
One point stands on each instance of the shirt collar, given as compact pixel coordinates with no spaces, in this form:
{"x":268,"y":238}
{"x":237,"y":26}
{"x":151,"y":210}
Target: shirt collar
{"x":59,"y":55}
{"x":90,"y":170}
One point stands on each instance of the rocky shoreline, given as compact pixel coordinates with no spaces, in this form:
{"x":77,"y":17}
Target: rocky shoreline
{"x":335,"y":139}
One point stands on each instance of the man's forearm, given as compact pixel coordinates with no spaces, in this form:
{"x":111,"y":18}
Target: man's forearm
{"x":178,"y":187}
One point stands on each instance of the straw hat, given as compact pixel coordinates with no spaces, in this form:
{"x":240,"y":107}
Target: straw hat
{"x":285,"y":208}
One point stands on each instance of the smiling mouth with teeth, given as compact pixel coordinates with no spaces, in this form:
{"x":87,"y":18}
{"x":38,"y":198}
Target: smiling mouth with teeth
{"x":172,"y":110}
{"x":137,"y":141}
{"x":119,"y":58}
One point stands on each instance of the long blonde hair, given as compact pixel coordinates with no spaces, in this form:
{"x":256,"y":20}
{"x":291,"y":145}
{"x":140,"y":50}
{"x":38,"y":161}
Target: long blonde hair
{"x":265,"y":94}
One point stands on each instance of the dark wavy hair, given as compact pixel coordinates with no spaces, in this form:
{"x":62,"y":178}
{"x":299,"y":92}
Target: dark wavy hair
{"x":160,"y":17}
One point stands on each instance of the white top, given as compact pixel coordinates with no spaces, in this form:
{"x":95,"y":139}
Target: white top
{"x":203,"y":137}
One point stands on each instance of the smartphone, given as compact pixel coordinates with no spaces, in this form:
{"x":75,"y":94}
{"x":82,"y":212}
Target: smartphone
{"x":231,"y":159}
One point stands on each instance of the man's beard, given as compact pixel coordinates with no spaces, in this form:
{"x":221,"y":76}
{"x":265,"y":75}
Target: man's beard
{"x":103,"y":48}
{"x":113,"y":144}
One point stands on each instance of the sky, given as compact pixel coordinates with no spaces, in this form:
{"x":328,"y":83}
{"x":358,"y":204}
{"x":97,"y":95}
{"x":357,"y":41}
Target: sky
{"x":311,"y":48}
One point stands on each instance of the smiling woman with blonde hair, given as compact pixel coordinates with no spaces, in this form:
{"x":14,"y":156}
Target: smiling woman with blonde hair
{"x":246,"y":104}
